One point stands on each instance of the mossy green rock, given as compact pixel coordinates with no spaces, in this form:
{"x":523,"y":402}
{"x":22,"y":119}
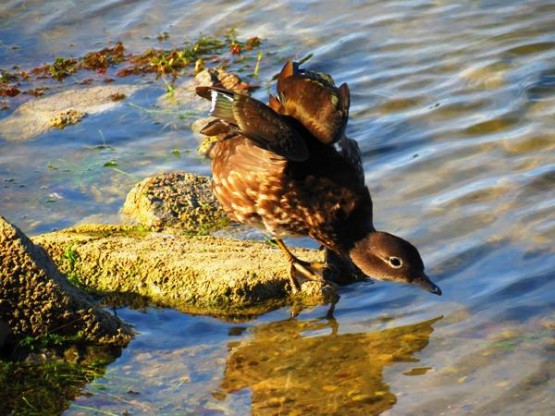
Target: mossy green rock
{"x":177,"y":201}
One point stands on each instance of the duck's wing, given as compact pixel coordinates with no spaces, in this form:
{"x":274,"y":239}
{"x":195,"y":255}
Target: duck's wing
{"x":313,"y":99}
{"x":255,"y":120}
{"x":349,"y":150}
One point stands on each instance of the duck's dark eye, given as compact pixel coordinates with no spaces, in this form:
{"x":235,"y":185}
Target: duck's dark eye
{"x":395,"y":262}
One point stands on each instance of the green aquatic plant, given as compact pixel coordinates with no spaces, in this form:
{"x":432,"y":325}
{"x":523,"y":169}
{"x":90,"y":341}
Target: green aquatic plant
{"x":256,"y":71}
{"x":101,"y":60}
{"x":45,"y":387}
{"x":192,"y":54}
{"x":35,"y":343}
{"x":71,"y":256}
{"x":189,"y":58}
{"x":63,"y":67}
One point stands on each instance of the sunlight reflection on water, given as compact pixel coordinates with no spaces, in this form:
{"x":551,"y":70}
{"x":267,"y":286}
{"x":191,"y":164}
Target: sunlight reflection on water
{"x":453,"y":107}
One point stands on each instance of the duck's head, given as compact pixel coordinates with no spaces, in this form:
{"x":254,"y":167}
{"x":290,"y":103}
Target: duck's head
{"x":386,"y":257}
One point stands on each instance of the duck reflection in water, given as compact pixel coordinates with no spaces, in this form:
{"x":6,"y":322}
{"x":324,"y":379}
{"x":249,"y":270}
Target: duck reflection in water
{"x":290,"y":367}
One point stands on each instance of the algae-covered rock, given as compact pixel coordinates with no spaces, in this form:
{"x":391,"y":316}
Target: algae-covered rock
{"x":176,"y":201}
{"x":37,"y":300}
{"x":66,"y":118}
{"x":222,"y":277}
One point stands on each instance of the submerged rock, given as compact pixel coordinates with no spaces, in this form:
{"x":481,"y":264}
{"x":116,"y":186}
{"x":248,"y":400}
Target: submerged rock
{"x":37,"y":300}
{"x":60,"y":110}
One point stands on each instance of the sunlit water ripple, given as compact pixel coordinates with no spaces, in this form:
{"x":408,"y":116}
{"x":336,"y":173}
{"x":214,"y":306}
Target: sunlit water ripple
{"x":453,"y":106}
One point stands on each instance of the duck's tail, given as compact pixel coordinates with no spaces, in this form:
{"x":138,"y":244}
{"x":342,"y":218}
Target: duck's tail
{"x":222,"y":103}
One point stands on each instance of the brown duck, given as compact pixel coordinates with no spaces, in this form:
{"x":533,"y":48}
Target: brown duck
{"x":289,"y":168}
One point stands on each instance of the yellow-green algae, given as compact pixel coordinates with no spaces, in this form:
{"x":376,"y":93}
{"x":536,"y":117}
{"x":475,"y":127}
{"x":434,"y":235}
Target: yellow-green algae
{"x":37,"y":300}
{"x":222,"y":277}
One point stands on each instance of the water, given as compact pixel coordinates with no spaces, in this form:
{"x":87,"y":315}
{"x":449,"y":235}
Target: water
{"x":453,"y":105}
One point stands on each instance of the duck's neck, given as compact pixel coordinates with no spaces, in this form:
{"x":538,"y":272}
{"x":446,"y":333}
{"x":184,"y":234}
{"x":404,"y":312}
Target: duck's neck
{"x":354,"y":228}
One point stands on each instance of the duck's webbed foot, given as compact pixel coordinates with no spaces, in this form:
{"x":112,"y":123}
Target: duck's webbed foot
{"x":310,"y":271}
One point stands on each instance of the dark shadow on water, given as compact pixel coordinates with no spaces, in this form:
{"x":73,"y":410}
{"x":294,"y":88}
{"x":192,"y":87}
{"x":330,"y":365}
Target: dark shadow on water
{"x":308,"y":367}
{"x":45,"y":382}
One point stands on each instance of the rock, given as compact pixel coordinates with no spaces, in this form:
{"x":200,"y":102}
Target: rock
{"x":66,"y":118}
{"x":177,"y":201}
{"x":37,"y":300}
{"x":222,"y":277}
{"x":5,"y":332}
{"x":60,"y":110}
{"x":210,"y":275}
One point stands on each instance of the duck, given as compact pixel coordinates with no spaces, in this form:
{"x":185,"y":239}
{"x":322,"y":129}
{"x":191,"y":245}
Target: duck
{"x":288,"y":168}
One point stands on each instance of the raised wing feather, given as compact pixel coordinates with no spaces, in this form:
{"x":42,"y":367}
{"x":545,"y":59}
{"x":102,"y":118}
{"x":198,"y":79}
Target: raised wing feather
{"x":313,"y":99}
{"x":258,"y":122}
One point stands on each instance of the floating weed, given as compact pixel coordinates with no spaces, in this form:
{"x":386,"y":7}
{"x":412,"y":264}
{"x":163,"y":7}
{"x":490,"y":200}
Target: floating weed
{"x":37,"y":92}
{"x":163,"y":36}
{"x":199,"y":65}
{"x":190,"y":58}
{"x":9,"y":91}
{"x":101,"y":60}
{"x":9,"y":84}
{"x":118,"y":96}
{"x":62,"y":68}
{"x":110,"y":164}
{"x":306,"y":58}
{"x":93,"y":410}
{"x":180,"y":114}
{"x":130,"y":175}
{"x":100,"y":147}
{"x":172,"y":62}
{"x":257,"y":66}
{"x":505,"y":345}
{"x":6,"y":77}
{"x":170,"y":89}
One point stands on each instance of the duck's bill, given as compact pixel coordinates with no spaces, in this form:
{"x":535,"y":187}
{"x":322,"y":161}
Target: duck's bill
{"x":425,"y":283}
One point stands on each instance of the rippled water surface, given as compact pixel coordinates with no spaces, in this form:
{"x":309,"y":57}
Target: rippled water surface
{"x":453,"y":105}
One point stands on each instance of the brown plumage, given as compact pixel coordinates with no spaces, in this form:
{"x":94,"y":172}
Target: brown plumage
{"x":289,"y":168}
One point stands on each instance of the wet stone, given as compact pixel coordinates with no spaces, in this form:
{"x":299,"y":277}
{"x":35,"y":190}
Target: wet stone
{"x":36,"y":300}
{"x":177,"y":201}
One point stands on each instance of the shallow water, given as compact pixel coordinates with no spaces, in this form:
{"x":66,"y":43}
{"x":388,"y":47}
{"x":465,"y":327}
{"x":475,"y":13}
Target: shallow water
{"x":453,"y":106}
